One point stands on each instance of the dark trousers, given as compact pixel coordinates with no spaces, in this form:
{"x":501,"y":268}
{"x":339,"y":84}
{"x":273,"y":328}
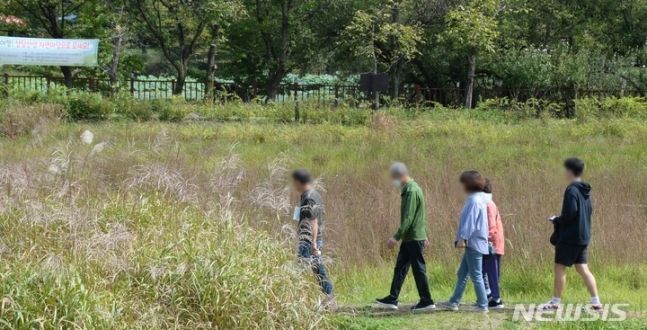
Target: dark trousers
{"x":305,"y":254}
{"x":410,"y":255}
{"x":491,"y":274}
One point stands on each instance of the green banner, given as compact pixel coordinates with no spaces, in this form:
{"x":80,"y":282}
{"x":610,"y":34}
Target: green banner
{"x":58,"y":52}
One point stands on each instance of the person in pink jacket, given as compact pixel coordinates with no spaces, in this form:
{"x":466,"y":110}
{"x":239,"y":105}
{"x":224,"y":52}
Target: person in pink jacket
{"x":496,"y":240}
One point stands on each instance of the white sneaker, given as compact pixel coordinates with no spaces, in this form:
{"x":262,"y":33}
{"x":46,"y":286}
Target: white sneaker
{"x":549,"y":306}
{"x":449,"y":305}
{"x":423,"y":307}
{"x":387,"y":303}
{"x":483,"y":310}
{"x":496,"y":304}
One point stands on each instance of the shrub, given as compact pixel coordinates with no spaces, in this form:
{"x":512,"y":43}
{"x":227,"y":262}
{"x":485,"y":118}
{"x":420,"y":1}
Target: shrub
{"x":129,"y":107}
{"x":343,"y":115}
{"x":586,"y":108}
{"x":20,"y":119}
{"x":246,"y":112}
{"x":140,"y":111}
{"x":530,"y":108}
{"x":356,"y":116}
{"x":159,"y":105}
{"x":25,"y":95}
{"x":223,"y":113}
{"x":284,"y":114}
{"x":55,"y":94}
{"x":174,"y":109}
{"x":634,"y":107}
{"x":88,"y":106}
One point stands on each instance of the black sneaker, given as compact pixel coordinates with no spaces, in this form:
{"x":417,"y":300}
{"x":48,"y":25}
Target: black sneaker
{"x":496,"y":304}
{"x":598,"y":308}
{"x":387,"y":302}
{"x":424,"y":306}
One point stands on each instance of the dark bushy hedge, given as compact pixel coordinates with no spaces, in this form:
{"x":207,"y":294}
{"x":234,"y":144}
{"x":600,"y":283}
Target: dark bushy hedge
{"x":92,"y":106}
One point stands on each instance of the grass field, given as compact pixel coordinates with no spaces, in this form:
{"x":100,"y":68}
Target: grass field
{"x":187,"y":225}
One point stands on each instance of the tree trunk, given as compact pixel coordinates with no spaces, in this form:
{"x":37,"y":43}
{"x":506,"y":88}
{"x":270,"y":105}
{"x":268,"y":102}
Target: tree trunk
{"x":376,"y":94}
{"x":469,"y":89}
{"x":396,"y":68}
{"x":211,"y":61}
{"x":273,"y":83}
{"x":180,"y":79}
{"x":396,"y":74}
{"x":67,"y":76}
{"x":570,"y":92}
{"x":274,"y":80}
{"x":116,"y":53}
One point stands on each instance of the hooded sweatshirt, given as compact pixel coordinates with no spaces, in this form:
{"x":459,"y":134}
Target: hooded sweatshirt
{"x":495,"y":227}
{"x":573,"y":226}
{"x":473,"y":222}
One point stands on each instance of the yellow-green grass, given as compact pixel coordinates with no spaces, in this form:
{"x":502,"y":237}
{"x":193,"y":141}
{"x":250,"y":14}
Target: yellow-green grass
{"x":197,"y":174}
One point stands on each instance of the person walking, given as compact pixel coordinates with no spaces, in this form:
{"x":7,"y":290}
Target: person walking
{"x":496,"y":240}
{"x":472,"y":236}
{"x":572,"y":235}
{"x":310,"y":217}
{"x":412,"y":235}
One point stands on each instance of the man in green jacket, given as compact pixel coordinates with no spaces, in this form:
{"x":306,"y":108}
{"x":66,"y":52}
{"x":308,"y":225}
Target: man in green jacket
{"x":413,"y":236}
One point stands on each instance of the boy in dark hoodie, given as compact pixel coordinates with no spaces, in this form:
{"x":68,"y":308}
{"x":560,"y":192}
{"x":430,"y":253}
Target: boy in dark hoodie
{"x":572,"y":234}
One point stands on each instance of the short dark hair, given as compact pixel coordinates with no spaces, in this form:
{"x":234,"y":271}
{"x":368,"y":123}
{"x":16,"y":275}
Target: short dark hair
{"x":488,"y":186}
{"x":574,"y":165}
{"x":473,"y":181}
{"x":301,"y":176}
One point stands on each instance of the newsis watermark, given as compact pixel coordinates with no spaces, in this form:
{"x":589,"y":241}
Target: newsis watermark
{"x":570,"y":312}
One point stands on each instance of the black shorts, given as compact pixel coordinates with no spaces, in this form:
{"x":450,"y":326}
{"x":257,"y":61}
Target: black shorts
{"x":567,"y":255}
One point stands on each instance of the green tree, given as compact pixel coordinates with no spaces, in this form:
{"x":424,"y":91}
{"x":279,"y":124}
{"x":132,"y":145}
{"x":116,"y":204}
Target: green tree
{"x":281,"y":30}
{"x":474,"y":28}
{"x":385,"y":37}
{"x":281,"y":37}
{"x":180,"y":28}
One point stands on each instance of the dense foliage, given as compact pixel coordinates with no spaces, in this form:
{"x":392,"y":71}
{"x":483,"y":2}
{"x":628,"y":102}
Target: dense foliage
{"x":17,"y":112}
{"x":521,"y":45}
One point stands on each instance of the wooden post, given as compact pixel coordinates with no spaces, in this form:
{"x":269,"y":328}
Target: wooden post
{"x":132,"y":86}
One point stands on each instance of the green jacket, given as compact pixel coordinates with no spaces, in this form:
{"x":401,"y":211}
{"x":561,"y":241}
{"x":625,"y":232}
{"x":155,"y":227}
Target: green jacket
{"x":413,"y":218}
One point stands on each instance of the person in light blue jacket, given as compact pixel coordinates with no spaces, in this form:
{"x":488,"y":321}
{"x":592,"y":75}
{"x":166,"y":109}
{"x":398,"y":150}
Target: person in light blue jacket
{"x":472,"y":235}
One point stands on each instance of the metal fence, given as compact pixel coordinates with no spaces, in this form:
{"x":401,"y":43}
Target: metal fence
{"x":145,"y":89}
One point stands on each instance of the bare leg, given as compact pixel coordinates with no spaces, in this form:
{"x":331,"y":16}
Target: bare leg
{"x":589,"y":279}
{"x":560,"y":280}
